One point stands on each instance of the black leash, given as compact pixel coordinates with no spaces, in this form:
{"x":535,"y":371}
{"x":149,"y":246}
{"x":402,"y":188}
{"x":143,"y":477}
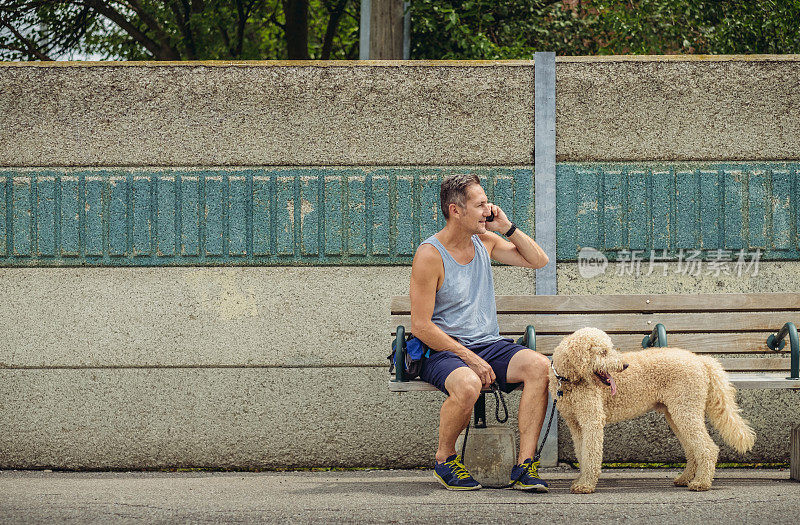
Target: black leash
{"x":546,"y":432}
{"x":500,"y":399}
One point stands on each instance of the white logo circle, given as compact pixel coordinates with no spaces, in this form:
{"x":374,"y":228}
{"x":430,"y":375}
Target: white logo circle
{"x":591,"y":263}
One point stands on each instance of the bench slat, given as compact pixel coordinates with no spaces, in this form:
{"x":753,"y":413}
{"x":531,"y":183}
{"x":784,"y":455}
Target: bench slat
{"x":637,"y":323}
{"x":417,"y":385}
{"x":632,"y":303}
{"x":730,"y":343}
{"x":756,"y":364}
{"x":741,"y":380}
{"x":414,"y":385}
{"x":767,"y":380}
{"x":699,"y":343}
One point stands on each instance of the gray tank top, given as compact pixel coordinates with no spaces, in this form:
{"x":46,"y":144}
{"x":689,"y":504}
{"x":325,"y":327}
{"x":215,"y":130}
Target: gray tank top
{"x":465,"y":308}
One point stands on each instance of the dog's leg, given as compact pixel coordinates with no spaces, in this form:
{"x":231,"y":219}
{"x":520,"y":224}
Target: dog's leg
{"x":591,"y":457}
{"x":577,"y":440}
{"x":691,"y":466}
{"x":692,"y":425}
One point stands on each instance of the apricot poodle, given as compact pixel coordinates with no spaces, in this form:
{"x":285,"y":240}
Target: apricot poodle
{"x":599,"y":385}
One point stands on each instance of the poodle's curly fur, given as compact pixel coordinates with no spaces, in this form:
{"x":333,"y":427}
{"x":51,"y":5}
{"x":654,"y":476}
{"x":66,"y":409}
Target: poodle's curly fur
{"x":605,"y":386}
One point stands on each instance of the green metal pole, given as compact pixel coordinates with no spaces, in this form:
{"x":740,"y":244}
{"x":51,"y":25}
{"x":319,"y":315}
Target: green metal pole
{"x":400,"y":354}
{"x":528,"y":338}
{"x":776,"y":342}
{"x":658,"y":337}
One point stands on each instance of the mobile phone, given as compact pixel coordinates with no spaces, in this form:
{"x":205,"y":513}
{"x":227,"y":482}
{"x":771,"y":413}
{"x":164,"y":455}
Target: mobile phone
{"x":490,"y":218}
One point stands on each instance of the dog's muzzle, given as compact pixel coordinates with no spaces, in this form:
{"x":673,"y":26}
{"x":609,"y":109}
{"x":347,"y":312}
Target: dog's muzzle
{"x":607,"y":380}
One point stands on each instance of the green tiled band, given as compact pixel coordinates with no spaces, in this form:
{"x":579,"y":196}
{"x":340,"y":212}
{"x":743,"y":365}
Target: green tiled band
{"x":232,"y":217}
{"x":684,"y":206}
{"x":173,"y":217}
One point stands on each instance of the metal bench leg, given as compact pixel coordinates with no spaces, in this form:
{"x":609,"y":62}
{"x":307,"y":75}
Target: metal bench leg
{"x":776,"y":342}
{"x":480,"y":411}
{"x":795,"y":454}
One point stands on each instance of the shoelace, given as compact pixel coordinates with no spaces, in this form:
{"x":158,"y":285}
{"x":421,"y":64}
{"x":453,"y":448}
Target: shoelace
{"x":533,"y":469}
{"x":459,"y":469}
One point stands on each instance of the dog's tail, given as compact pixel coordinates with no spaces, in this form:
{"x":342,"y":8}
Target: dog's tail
{"x":723,"y":411}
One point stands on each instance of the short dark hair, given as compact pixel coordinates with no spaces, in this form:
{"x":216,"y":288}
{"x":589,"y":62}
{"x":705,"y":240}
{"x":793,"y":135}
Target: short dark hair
{"x":454,"y":190}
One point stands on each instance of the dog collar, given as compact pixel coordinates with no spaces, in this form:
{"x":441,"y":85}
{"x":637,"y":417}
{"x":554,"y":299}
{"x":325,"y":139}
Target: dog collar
{"x":560,"y":378}
{"x":560,"y":391}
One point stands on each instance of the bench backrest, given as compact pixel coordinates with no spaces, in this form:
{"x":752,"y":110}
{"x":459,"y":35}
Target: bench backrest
{"x":736,"y":325}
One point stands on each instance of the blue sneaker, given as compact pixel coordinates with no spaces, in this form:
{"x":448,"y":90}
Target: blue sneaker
{"x":526,"y":477}
{"x":454,"y":475}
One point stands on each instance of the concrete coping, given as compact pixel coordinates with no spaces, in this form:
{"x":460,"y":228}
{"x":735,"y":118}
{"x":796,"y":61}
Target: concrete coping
{"x":409,"y":63}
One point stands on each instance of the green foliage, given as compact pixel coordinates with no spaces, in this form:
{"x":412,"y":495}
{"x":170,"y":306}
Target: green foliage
{"x":699,"y":26}
{"x":441,"y":29}
{"x":199,"y":30}
{"x":483,"y":29}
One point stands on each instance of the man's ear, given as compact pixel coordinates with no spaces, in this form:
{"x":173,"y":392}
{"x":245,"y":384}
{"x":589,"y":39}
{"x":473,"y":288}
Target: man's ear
{"x":454,"y":210}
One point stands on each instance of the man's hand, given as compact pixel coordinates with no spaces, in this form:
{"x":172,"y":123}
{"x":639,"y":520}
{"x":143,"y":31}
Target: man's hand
{"x":480,"y":367}
{"x":518,"y":250}
{"x":500,"y":224}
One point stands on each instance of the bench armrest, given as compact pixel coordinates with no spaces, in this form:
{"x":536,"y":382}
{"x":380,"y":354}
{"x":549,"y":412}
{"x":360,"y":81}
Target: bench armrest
{"x":399,"y":346}
{"x":776,"y":342}
{"x":658,"y":337}
{"x":529,"y":338}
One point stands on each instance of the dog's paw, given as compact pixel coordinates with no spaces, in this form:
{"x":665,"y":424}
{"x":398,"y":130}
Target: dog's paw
{"x":699,"y":486}
{"x":681,"y":481}
{"x":580,"y":488}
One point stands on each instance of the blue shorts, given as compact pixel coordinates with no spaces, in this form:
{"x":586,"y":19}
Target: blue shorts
{"x":498,"y":354}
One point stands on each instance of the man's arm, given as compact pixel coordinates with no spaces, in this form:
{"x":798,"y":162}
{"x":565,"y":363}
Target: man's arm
{"x":426,"y":271}
{"x":521,"y":251}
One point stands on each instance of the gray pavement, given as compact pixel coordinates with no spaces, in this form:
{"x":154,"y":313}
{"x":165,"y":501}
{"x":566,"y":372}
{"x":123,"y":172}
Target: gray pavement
{"x":385,"y":496}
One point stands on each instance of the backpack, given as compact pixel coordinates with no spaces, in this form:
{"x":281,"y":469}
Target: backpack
{"x":416,"y":352}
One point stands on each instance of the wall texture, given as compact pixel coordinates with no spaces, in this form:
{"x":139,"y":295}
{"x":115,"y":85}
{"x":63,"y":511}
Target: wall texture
{"x":324,"y":216}
{"x":197,"y":259}
{"x":396,"y":113}
{"x":263,"y":367}
{"x":170,"y":217}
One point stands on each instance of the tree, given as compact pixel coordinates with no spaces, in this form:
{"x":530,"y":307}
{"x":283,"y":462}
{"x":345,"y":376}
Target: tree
{"x":699,"y":26}
{"x":485,"y":29}
{"x":179,"y":29}
{"x":441,"y":29}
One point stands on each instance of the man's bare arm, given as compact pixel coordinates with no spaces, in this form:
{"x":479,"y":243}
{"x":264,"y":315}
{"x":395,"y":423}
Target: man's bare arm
{"x":425,"y":272}
{"x":520,"y":251}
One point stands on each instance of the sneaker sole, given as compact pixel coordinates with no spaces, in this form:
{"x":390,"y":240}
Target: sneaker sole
{"x":452,"y":487}
{"x":530,"y":488}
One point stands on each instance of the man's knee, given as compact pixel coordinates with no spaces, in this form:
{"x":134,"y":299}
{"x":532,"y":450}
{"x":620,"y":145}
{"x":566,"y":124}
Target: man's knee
{"x":464,"y":386}
{"x":533,"y":366}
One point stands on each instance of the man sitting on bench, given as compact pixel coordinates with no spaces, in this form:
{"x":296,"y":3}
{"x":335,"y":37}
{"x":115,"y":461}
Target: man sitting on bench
{"x":453,"y":312}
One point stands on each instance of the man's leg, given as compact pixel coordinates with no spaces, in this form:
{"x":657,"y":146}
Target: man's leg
{"x":531,"y":369}
{"x":464,"y":387}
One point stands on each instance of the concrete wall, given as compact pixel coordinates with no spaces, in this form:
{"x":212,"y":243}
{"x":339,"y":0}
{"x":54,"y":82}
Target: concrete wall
{"x":231,"y":367}
{"x":250,"y":367}
{"x":258,"y":367}
{"x":395,"y":113}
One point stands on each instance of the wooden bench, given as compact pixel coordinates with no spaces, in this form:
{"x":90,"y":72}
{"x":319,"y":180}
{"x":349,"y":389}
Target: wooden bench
{"x":734,"y":328}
